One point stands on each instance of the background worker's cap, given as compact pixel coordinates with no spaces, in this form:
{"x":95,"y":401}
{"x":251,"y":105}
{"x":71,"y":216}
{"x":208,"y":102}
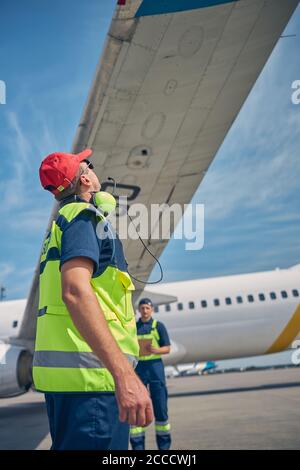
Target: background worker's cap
{"x":58,"y":169}
{"x":146,"y":302}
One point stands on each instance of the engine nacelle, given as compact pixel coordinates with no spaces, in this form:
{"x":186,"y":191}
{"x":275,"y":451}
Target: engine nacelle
{"x":15,"y":370}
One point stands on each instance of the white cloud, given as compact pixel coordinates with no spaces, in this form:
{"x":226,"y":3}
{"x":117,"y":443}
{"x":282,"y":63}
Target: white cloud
{"x":6,"y":268}
{"x":14,"y":183}
{"x":35,"y":219}
{"x":26,"y":147}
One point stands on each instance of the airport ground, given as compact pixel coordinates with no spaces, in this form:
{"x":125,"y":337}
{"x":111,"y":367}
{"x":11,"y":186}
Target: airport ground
{"x":243,"y":410}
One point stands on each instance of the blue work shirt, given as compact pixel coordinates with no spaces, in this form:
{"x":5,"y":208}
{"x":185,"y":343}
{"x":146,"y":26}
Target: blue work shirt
{"x":80,"y":239}
{"x":144,"y":328}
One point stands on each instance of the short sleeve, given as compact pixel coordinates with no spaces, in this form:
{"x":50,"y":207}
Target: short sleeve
{"x":164,"y":339}
{"x":79,"y":238}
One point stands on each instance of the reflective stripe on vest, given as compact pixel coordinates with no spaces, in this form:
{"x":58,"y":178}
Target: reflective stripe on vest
{"x":63,"y":360}
{"x":72,"y":359}
{"x":154,"y":336}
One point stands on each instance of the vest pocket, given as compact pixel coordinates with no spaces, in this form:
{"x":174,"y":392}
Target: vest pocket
{"x":54,"y":310}
{"x":113,"y":290}
{"x":126,"y":280}
{"x":128,"y":287}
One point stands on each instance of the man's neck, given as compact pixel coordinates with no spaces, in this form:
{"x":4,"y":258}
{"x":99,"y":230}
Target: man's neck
{"x":86,"y":196}
{"x":75,"y":197}
{"x":145,"y":321}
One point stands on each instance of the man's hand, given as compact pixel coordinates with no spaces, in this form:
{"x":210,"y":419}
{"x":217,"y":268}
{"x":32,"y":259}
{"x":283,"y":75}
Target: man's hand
{"x":134,"y":402}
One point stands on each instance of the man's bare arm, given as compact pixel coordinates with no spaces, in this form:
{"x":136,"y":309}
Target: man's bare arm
{"x":133,"y":398}
{"x":161,"y":350}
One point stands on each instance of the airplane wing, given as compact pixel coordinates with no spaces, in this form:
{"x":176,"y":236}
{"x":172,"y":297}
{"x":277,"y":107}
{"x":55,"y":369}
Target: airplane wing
{"x":171,"y":80}
{"x":157,"y":298}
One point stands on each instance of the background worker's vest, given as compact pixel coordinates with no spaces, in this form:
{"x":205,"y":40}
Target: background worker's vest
{"x":63,"y":360}
{"x":154,"y":335}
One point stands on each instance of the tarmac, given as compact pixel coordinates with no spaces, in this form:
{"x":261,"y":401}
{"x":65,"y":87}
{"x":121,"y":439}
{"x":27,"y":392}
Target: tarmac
{"x":241,"y":410}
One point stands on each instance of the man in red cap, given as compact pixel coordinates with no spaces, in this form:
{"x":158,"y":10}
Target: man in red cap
{"x":60,"y":173}
{"x":86,"y":344}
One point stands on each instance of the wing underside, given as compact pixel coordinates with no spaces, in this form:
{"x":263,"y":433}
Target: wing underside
{"x":171,"y":80}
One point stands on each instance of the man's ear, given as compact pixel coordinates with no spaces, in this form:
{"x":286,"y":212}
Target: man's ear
{"x":85,"y":180}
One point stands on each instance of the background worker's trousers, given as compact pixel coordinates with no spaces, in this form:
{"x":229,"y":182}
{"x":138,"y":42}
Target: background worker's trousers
{"x":86,"y":421}
{"x":152,"y":374}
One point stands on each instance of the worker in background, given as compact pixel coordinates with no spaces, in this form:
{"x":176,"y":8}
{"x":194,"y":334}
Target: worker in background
{"x":86,"y":345}
{"x":154,"y":341}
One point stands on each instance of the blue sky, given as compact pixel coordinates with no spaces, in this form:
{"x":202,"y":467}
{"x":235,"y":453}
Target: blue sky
{"x":48,"y":54}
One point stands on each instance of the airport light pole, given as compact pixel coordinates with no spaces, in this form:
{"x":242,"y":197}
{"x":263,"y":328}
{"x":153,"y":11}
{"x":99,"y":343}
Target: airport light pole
{"x":2,"y":293}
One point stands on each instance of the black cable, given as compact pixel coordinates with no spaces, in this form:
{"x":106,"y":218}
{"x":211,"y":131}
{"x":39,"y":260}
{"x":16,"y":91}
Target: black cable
{"x":153,"y":256}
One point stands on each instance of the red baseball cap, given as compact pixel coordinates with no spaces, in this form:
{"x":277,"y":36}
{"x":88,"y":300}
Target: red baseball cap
{"x":58,"y":169}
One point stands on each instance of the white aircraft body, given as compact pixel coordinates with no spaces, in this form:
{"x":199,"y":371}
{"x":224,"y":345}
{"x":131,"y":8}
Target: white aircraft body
{"x":11,"y":315}
{"x":216,"y":318}
{"x":169,"y":84}
{"x":231,"y":316}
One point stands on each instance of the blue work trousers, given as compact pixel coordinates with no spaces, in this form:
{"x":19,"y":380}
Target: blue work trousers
{"x":86,"y":421}
{"x":152,"y":374}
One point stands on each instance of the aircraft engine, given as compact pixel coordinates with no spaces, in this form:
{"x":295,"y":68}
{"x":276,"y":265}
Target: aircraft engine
{"x":15,"y":370}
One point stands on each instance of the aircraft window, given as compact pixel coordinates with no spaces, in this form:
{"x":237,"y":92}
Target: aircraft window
{"x":284,"y":294}
{"x":216,"y":302}
{"x":15,"y":324}
{"x":239,"y":299}
{"x":203,"y":303}
{"x":156,"y":309}
{"x":261,"y":297}
{"x":250,"y":298}
{"x":191,"y":305}
{"x":180,"y":306}
{"x":167,"y":307}
{"x":273,"y":295}
{"x":295,"y":293}
{"x":228,"y":301}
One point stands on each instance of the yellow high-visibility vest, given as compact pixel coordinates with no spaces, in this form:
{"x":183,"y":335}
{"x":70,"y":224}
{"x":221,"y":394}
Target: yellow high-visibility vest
{"x":63,"y":360}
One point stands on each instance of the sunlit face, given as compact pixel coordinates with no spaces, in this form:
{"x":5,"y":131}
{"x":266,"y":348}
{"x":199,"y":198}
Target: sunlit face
{"x":145,"y":311}
{"x":89,"y":178}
